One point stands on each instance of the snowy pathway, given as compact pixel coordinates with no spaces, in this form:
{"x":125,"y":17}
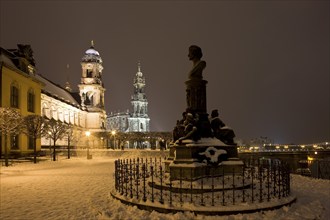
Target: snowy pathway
{"x":56,"y":190}
{"x":79,"y":189}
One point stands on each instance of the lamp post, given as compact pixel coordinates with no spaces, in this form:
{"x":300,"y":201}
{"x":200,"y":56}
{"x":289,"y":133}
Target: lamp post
{"x":50,"y":142}
{"x":114,"y":138}
{"x":87,"y":133}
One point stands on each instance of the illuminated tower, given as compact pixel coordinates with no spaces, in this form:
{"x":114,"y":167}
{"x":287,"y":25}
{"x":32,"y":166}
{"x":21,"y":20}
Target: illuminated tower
{"x":91,"y":88}
{"x":139,"y":120}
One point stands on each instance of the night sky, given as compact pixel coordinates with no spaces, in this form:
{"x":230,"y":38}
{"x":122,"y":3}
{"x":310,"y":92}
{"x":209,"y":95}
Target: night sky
{"x":267,"y":61}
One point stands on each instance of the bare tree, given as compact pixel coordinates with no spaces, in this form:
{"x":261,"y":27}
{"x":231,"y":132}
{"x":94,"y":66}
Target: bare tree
{"x":10,"y":124}
{"x":72,"y":135}
{"x":122,"y":138}
{"x":34,"y":126}
{"x":138,"y":138}
{"x":57,"y":130}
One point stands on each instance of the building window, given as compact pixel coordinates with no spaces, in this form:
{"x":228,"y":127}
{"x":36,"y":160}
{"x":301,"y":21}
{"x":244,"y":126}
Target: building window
{"x":14,"y":96}
{"x":53,"y":113}
{"x":31,"y":143}
{"x":89,"y":73}
{"x":14,"y":142}
{"x":30,"y":101}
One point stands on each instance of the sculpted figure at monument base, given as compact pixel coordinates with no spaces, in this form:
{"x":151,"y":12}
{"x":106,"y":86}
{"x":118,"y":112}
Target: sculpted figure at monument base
{"x":220,"y":130}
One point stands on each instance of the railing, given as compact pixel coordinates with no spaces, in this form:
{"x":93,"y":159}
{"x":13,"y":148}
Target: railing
{"x":320,"y":168}
{"x":258,"y":181}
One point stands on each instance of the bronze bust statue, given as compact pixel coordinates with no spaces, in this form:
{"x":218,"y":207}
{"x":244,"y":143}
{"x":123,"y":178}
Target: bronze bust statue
{"x":195,"y":55}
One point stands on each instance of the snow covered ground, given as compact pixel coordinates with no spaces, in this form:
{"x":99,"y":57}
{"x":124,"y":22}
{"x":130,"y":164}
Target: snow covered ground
{"x":79,"y":189}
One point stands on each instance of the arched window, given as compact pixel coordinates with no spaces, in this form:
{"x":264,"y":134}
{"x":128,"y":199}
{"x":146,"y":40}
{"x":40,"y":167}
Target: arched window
{"x":60,"y":114}
{"x":45,"y":111}
{"x":71,"y":117}
{"x":14,"y":95}
{"x":53,"y":113}
{"x":30,"y":101}
{"x":66,"y":116}
{"x":76,"y":118}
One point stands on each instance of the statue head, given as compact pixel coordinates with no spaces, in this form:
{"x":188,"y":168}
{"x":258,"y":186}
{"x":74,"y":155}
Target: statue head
{"x":214,"y":113}
{"x":195,"y":52}
{"x":189,"y":118}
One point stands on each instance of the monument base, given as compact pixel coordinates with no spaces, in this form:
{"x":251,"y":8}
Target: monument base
{"x":207,"y":157}
{"x":197,"y":170}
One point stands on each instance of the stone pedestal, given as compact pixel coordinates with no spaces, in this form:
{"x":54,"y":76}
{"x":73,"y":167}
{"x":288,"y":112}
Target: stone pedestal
{"x":196,"y":95}
{"x":170,"y":158}
{"x":196,"y":103}
{"x":206,"y":157}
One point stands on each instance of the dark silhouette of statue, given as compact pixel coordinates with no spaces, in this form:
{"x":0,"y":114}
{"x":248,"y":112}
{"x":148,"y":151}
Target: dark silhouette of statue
{"x":178,"y":130}
{"x":195,"y":55}
{"x":190,"y":129}
{"x":220,"y":131}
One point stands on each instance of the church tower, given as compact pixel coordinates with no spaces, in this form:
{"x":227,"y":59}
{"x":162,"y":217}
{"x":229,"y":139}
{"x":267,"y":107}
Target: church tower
{"x":91,"y":88}
{"x":139,"y":120}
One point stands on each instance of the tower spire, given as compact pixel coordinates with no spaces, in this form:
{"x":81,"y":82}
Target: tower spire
{"x":139,"y":66}
{"x":67,"y":83}
{"x":92,"y":44}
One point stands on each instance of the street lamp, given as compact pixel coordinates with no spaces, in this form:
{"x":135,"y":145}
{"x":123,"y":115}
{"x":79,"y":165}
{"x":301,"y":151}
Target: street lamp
{"x":114,"y":138}
{"x":50,"y":142}
{"x":87,"y":133}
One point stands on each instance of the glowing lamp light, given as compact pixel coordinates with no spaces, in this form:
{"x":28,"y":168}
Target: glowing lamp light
{"x":113,"y":132}
{"x":310,"y":158}
{"x":286,"y":146}
{"x":87,"y":133}
{"x":302,"y":146}
{"x":315,"y":146}
{"x":315,"y":152}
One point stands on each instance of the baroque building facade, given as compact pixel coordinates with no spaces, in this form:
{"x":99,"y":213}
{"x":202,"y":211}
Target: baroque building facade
{"x":83,"y":109}
{"x":31,"y":93}
{"x":137,"y":120}
{"x":20,"y":90}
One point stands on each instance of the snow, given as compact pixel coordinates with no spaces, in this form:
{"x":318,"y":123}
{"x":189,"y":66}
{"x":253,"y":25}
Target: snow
{"x":78,"y":188}
{"x":57,"y":91}
{"x":92,"y":51}
{"x":204,"y":142}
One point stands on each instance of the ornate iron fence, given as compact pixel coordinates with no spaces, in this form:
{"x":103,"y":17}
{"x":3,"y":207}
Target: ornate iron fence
{"x":320,"y":168}
{"x":259,"y":181}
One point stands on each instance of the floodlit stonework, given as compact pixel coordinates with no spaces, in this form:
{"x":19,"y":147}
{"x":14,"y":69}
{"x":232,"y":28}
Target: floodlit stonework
{"x":21,"y":90}
{"x":83,"y":109}
{"x":137,"y":120}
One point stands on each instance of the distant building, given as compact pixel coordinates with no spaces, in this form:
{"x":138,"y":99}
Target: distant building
{"x":137,"y":120}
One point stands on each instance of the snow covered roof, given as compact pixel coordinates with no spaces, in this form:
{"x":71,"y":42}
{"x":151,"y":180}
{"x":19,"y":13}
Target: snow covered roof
{"x":92,"y":55}
{"x":5,"y":57}
{"x":8,"y":58}
{"x":58,"y":92}
{"x":92,"y":51}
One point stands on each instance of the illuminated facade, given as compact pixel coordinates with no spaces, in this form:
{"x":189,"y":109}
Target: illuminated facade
{"x":137,"y":120}
{"x":91,"y":90}
{"x":84,"y":109}
{"x":21,"y":90}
